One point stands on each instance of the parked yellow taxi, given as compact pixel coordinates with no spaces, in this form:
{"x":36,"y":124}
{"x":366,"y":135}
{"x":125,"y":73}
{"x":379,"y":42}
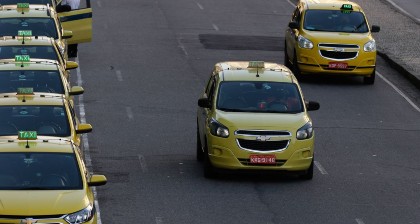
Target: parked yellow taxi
{"x":330,"y":37}
{"x":253,"y":116}
{"x":45,"y":181}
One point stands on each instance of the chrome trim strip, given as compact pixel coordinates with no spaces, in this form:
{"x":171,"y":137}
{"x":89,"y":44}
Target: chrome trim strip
{"x":273,"y":136}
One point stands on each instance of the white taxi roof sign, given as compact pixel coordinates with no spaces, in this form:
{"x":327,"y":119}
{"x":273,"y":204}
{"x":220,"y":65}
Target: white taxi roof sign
{"x":25,"y":91}
{"x":23,"y":5}
{"x":27,"y":135}
{"x":256,"y":64}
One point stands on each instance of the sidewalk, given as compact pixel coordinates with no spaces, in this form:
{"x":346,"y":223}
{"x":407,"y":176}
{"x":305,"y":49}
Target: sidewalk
{"x":399,"y":39}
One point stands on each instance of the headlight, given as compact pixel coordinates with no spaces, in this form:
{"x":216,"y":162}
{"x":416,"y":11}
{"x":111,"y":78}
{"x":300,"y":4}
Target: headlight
{"x":81,"y":216}
{"x":305,"y":43}
{"x":305,"y":132}
{"x":218,"y":129}
{"x":370,"y":46}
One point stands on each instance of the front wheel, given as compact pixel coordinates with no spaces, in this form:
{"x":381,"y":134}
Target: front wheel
{"x":200,"y":153}
{"x":309,"y":172}
{"x":369,"y":80}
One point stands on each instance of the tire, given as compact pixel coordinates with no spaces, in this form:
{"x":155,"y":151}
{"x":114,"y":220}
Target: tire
{"x":200,"y":153}
{"x":208,"y":168}
{"x":309,"y":172}
{"x":295,"y":69}
{"x":286,"y":57}
{"x":369,"y":80}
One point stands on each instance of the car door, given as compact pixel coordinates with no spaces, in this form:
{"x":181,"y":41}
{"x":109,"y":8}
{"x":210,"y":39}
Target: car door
{"x":79,"y":21}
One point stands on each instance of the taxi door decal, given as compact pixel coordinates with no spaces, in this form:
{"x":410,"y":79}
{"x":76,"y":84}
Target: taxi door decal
{"x":80,"y":23}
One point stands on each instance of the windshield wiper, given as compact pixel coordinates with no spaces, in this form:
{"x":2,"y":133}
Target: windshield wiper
{"x":231,"y":110}
{"x":35,"y":188}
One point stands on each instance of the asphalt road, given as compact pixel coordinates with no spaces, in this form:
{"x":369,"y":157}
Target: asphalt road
{"x":143,"y":73}
{"x":408,"y":7}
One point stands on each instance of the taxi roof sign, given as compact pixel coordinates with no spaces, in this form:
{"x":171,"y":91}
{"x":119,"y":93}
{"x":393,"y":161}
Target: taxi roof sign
{"x":23,"y":5}
{"x":347,"y":7}
{"x":23,"y":33}
{"x":256,"y":64}
{"x":25,"y":91}
{"x":27,"y":135}
{"x":22,"y":58}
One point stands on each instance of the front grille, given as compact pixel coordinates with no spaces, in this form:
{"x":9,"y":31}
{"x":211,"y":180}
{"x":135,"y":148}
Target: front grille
{"x":266,"y":133}
{"x":247,"y":162}
{"x":340,"y":46}
{"x":262,"y":145}
{"x":338,"y":55}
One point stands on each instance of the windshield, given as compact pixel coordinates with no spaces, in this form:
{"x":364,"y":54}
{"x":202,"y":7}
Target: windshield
{"x":39,"y":171}
{"x":46,"y":120}
{"x":40,"y":81}
{"x":335,"y":21}
{"x":264,"y":97}
{"x":42,"y":52}
{"x":38,"y":26}
{"x":14,"y":2}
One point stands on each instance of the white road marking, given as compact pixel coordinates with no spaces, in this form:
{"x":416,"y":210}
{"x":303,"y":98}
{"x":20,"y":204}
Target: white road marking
{"x":143,"y":163}
{"x":359,"y":221}
{"x":291,"y":3}
{"x":320,"y":168}
{"x":200,"y":6}
{"x":99,"y":3}
{"x":403,"y":11}
{"x":180,"y":45}
{"x":119,"y":75}
{"x":215,"y":27}
{"x":85,"y":139}
{"x":159,"y":220}
{"x":129,"y":113}
{"x":399,"y":92}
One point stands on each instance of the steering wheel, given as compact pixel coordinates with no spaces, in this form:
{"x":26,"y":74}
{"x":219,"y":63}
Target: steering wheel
{"x":54,"y":179}
{"x":52,"y":124}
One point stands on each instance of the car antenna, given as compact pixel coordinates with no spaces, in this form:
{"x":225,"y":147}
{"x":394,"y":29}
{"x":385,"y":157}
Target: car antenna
{"x":27,"y":143}
{"x":257,"y":71}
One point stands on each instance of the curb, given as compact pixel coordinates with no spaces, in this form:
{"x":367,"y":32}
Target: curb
{"x":409,"y":75}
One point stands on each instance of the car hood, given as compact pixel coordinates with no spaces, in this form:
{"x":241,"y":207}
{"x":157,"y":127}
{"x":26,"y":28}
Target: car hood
{"x":262,"y":121}
{"x":338,"y":37}
{"x":42,"y":202}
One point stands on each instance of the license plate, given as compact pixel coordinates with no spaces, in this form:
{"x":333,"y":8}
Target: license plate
{"x":262,"y":159}
{"x":337,"y":65}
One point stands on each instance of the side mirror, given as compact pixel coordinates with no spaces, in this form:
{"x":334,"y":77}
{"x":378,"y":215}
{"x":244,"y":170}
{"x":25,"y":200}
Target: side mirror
{"x":312,"y":105}
{"x":67,"y":34}
{"x":83,"y":128}
{"x":71,"y":65}
{"x":294,"y":25}
{"x":204,"y":102}
{"x":97,"y":180}
{"x":375,"y":29}
{"x":76,"y":90}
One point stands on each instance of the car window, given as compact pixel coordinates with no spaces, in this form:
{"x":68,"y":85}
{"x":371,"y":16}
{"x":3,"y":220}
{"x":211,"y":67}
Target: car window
{"x":38,"y":26}
{"x":264,"y":97}
{"x":40,"y":52}
{"x":46,"y":120}
{"x":40,"y":81}
{"x":335,"y":21}
{"x":39,"y":171}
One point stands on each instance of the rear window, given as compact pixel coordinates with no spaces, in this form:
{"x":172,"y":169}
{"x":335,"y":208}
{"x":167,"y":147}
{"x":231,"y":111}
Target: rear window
{"x":38,"y":26}
{"x":335,"y":21}
{"x":41,"y":52}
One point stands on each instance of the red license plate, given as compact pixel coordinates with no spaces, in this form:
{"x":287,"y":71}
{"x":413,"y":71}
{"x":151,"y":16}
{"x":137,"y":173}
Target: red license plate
{"x":262,"y":159}
{"x":337,"y":65}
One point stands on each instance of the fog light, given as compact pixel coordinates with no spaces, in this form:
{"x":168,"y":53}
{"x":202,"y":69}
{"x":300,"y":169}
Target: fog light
{"x":306,"y":154}
{"x":217,"y":152}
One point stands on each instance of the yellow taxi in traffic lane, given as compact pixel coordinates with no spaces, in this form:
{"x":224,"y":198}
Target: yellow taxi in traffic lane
{"x":45,"y":181}
{"x":330,"y":37}
{"x":252,"y":116}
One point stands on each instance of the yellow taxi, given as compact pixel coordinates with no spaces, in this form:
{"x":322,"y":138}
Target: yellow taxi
{"x":45,"y":76}
{"x":253,"y":116}
{"x":330,"y":37}
{"x":45,"y":181}
{"x":34,"y":48}
{"x":42,"y":20}
{"x":49,"y":114}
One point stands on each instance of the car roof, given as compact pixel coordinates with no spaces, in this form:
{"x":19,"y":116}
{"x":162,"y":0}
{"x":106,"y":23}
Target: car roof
{"x":239,"y":71}
{"x":37,"y":99}
{"x":46,"y":144}
{"x":329,"y":4}
{"x":29,"y":41}
{"x":44,"y":65}
{"x":38,"y":11}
